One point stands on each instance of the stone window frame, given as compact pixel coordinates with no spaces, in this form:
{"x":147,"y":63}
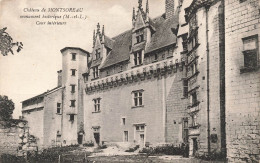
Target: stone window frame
{"x":97,"y":54}
{"x":95,"y":72}
{"x":73,"y":88}
{"x":73,"y":72}
{"x":126,"y":138}
{"x":72,"y":117}
{"x":58,"y":108}
{"x":97,"y":105}
{"x":137,"y":98}
{"x":138,"y":58}
{"x":73,"y":56}
{"x":72,"y":103}
{"x":139,"y":36}
{"x":252,"y":52}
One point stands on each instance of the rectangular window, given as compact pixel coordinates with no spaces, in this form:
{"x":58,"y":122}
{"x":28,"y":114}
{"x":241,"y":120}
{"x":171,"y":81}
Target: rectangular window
{"x":95,"y":72}
{"x":138,"y":58}
{"x":137,"y":98}
{"x":72,"y":103}
{"x":139,"y":36}
{"x":73,"y":72}
{"x":125,"y":136}
{"x":193,"y":99}
{"x":185,"y":88}
{"x":250,"y":51}
{"x":96,"y":105}
{"x":97,"y":53}
{"x":58,"y":108}
{"x":73,"y":88}
{"x":71,"y":117}
{"x":139,"y":128}
{"x":123,"y":121}
{"x":185,"y":130}
{"x":73,"y":56}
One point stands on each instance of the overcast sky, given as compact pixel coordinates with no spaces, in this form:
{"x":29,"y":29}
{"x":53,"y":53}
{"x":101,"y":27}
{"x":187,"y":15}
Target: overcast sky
{"x":34,"y":69}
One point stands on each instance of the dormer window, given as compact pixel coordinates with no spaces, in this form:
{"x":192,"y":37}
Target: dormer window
{"x":95,"y":72}
{"x":97,"y":53}
{"x":138,"y":58}
{"x":139,"y":36}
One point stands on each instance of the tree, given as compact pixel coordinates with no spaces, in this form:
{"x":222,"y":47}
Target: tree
{"x":6,"y":110}
{"x":7,"y":44}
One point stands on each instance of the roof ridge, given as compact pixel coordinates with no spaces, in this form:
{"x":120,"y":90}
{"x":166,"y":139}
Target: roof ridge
{"x":121,"y":34}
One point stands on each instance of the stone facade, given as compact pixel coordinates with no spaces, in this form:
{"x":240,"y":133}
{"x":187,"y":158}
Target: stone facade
{"x":55,"y":116}
{"x":183,"y":77}
{"x":242,"y":85}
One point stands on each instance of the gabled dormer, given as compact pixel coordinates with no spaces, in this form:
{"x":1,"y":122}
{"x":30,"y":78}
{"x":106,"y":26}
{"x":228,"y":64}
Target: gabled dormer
{"x":102,"y":46}
{"x":142,"y":31}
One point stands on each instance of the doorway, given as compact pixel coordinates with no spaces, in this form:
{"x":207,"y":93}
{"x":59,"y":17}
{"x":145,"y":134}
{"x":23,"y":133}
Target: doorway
{"x":97,"y":138}
{"x":80,"y":139}
{"x":195,"y":146}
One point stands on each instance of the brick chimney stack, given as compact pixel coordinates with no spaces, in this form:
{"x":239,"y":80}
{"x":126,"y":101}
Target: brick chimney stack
{"x":169,"y":8}
{"x":59,"y":78}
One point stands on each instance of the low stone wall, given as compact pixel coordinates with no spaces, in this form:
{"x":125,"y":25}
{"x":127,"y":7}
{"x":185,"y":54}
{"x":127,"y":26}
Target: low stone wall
{"x":16,"y":140}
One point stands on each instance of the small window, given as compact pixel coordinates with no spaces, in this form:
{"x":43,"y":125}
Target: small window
{"x":125,"y":136}
{"x":95,"y":72}
{"x":73,"y":72}
{"x":96,"y":105}
{"x":58,"y":108}
{"x":98,"y":54}
{"x":193,"y":99}
{"x":73,"y":56}
{"x":185,"y":88}
{"x":155,"y":56}
{"x":72,"y":103}
{"x":138,"y":58}
{"x":137,"y":98}
{"x":250,"y":51}
{"x":123,"y":121}
{"x":139,"y":128}
{"x":139,"y":38}
{"x":71,"y":117}
{"x":73,"y":88}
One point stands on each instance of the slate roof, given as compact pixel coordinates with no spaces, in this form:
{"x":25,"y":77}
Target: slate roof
{"x":163,"y":36}
{"x":109,"y":42}
{"x":121,"y":50}
{"x":121,"y":44}
{"x":41,"y":95}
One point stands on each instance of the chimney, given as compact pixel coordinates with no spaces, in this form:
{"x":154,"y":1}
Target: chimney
{"x":169,"y":8}
{"x":59,"y":78}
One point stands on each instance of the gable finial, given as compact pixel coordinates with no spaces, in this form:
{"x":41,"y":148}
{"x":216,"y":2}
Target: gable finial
{"x":147,"y":7}
{"x":140,"y":4}
{"x":98,"y":28}
{"x":133,"y":18}
{"x":94,"y":38}
{"x":103,"y":30}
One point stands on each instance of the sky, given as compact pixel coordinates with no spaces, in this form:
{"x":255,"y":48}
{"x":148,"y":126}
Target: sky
{"x":34,"y":69}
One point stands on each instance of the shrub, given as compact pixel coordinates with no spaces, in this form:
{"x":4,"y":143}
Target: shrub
{"x":212,"y":156}
{"x":132,"y":149}
{"x":102,"y":147}
{"x":88,"y":144}
{"x":166,"y":149}
{"x":11,"y":159}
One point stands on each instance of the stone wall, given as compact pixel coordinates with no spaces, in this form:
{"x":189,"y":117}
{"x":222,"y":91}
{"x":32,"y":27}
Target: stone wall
{"x":16,"y":140}
{"x":242,"y":89}
{"x":159,"y":97}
